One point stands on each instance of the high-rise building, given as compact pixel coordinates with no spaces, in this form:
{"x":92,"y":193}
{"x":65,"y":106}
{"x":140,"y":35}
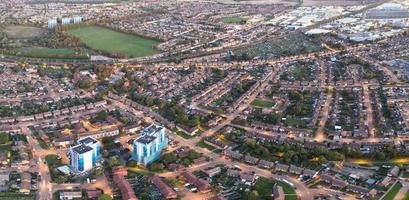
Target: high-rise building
{"x":52,"y":23}
{"x":148,"y":146}
{"x":77,"y":20}
{"x":94,"y":144}
{"x":85,"y":155}
{"x":65,"y":21}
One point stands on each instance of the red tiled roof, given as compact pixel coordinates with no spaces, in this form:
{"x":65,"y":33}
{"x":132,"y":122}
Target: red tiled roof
{"x":125,"y":188}
{"x":93,"y":193}
{"x":166,"y":191}
{"x":202,"y":185}
{"x":119,"y":170}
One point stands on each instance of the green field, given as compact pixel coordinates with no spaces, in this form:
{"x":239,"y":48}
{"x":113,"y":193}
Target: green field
{"x":406,"y":197}
{"x":265,"y":186}
{"x":23,"y":32}
{"x":234,"y":20}
{"x":405,"y":175}
{"x":393,"y":192}
{"x":262,"y":103}
{"x":43,"y":52}
{"x":405,"y":58}
{"x":183,"y":134}
{"x":204,"y":145}
{"x":14,"y":196}
{"x":110,"y":41}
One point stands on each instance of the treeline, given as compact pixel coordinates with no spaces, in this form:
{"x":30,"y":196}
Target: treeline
{"x":60,"y":39}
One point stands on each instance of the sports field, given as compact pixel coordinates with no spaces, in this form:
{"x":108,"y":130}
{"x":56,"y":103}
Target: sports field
{"x":107,"y":40}
{"x":23,"y":32}
{"x":260,"y":103}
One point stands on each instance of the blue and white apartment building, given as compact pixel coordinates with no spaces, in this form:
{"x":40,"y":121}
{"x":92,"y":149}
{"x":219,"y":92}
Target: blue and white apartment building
{"x":85,"y":155}
{"x":149,"y":145}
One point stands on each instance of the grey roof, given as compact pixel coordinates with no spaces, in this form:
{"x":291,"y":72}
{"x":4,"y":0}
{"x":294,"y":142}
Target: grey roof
{"x":152,"y":129}
{"x":87,"y":140}
{"x":387,"y":14}
{"x":309,"y":172}
{"x":81,"y":149}
{"x":146,"y":139}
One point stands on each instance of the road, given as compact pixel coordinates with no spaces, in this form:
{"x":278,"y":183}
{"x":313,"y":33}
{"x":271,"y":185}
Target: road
{"x":320,"y":135}
{"x":45,"y":187}
{"x":369,"y":111}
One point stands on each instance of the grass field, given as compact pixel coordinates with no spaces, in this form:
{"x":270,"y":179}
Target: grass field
{"x":405,"y":58}
{"x":23,"y":32}
{"x":107,"y":40}
{"x":204,"y":145}
{"x":234,"y":20}
{"x":43,"y":52}
{"x":264,"y":187}
{"x":183,"y":134}
{"x":262,"y":103}
{"x":14,"y":196}
{"x":393,"y":192}
{"x":405,"y":175}
{"x":406,"y":197}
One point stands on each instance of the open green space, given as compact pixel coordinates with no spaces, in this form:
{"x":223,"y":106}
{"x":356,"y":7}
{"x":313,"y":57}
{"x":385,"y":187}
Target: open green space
{"x":406,"y":197}
{"x":53,"y":162}
{"x":110,"y":41}
{"x":5,"y":142}
{"x":234,"y":20}
{"x":43,"y":52}
{"x":23,"y":32}
{"x":405,"y":175}
{"x":183,"y":134}
{"x":14,"y":196}
{"x":405,"y":58}
{"x":291,"y":44}
{"x":262,"y":103}
{"x":302,"y":71}
{"x":393,"y":192}
{"x":204,"y":145}
{"x":265,"y":186}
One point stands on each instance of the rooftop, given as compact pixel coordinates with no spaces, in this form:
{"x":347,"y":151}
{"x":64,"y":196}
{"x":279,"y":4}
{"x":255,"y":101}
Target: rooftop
{"x":81,"y":149}
{"x":87,"y":140}
{"x":150,"y":130}
{"x":146,"y":139}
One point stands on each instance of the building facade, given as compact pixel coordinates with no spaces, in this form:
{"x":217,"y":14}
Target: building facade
{"x":148,"y":146}
{"x":52,"y":23}
{"x":94,"y":144}
{"x":85,"y":155}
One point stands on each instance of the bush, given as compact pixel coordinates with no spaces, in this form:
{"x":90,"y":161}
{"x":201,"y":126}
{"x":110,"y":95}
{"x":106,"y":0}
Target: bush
{"x":132,"y":163}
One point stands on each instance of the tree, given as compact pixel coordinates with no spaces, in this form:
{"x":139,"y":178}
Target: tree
{"x":169,"y":158}
{"x":84,"y":84}
{"x":253,"y":195}
{"x":105,"y":153}
{"x":132,"y":163}
{"x":104,"y":197}
{"x":101,"y":115}
{"x":156,"y":167}
{"x":114,"y":161}
{"x":380,"y":156}
{"x":4,"y":138}
{"x":103,"y":71}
